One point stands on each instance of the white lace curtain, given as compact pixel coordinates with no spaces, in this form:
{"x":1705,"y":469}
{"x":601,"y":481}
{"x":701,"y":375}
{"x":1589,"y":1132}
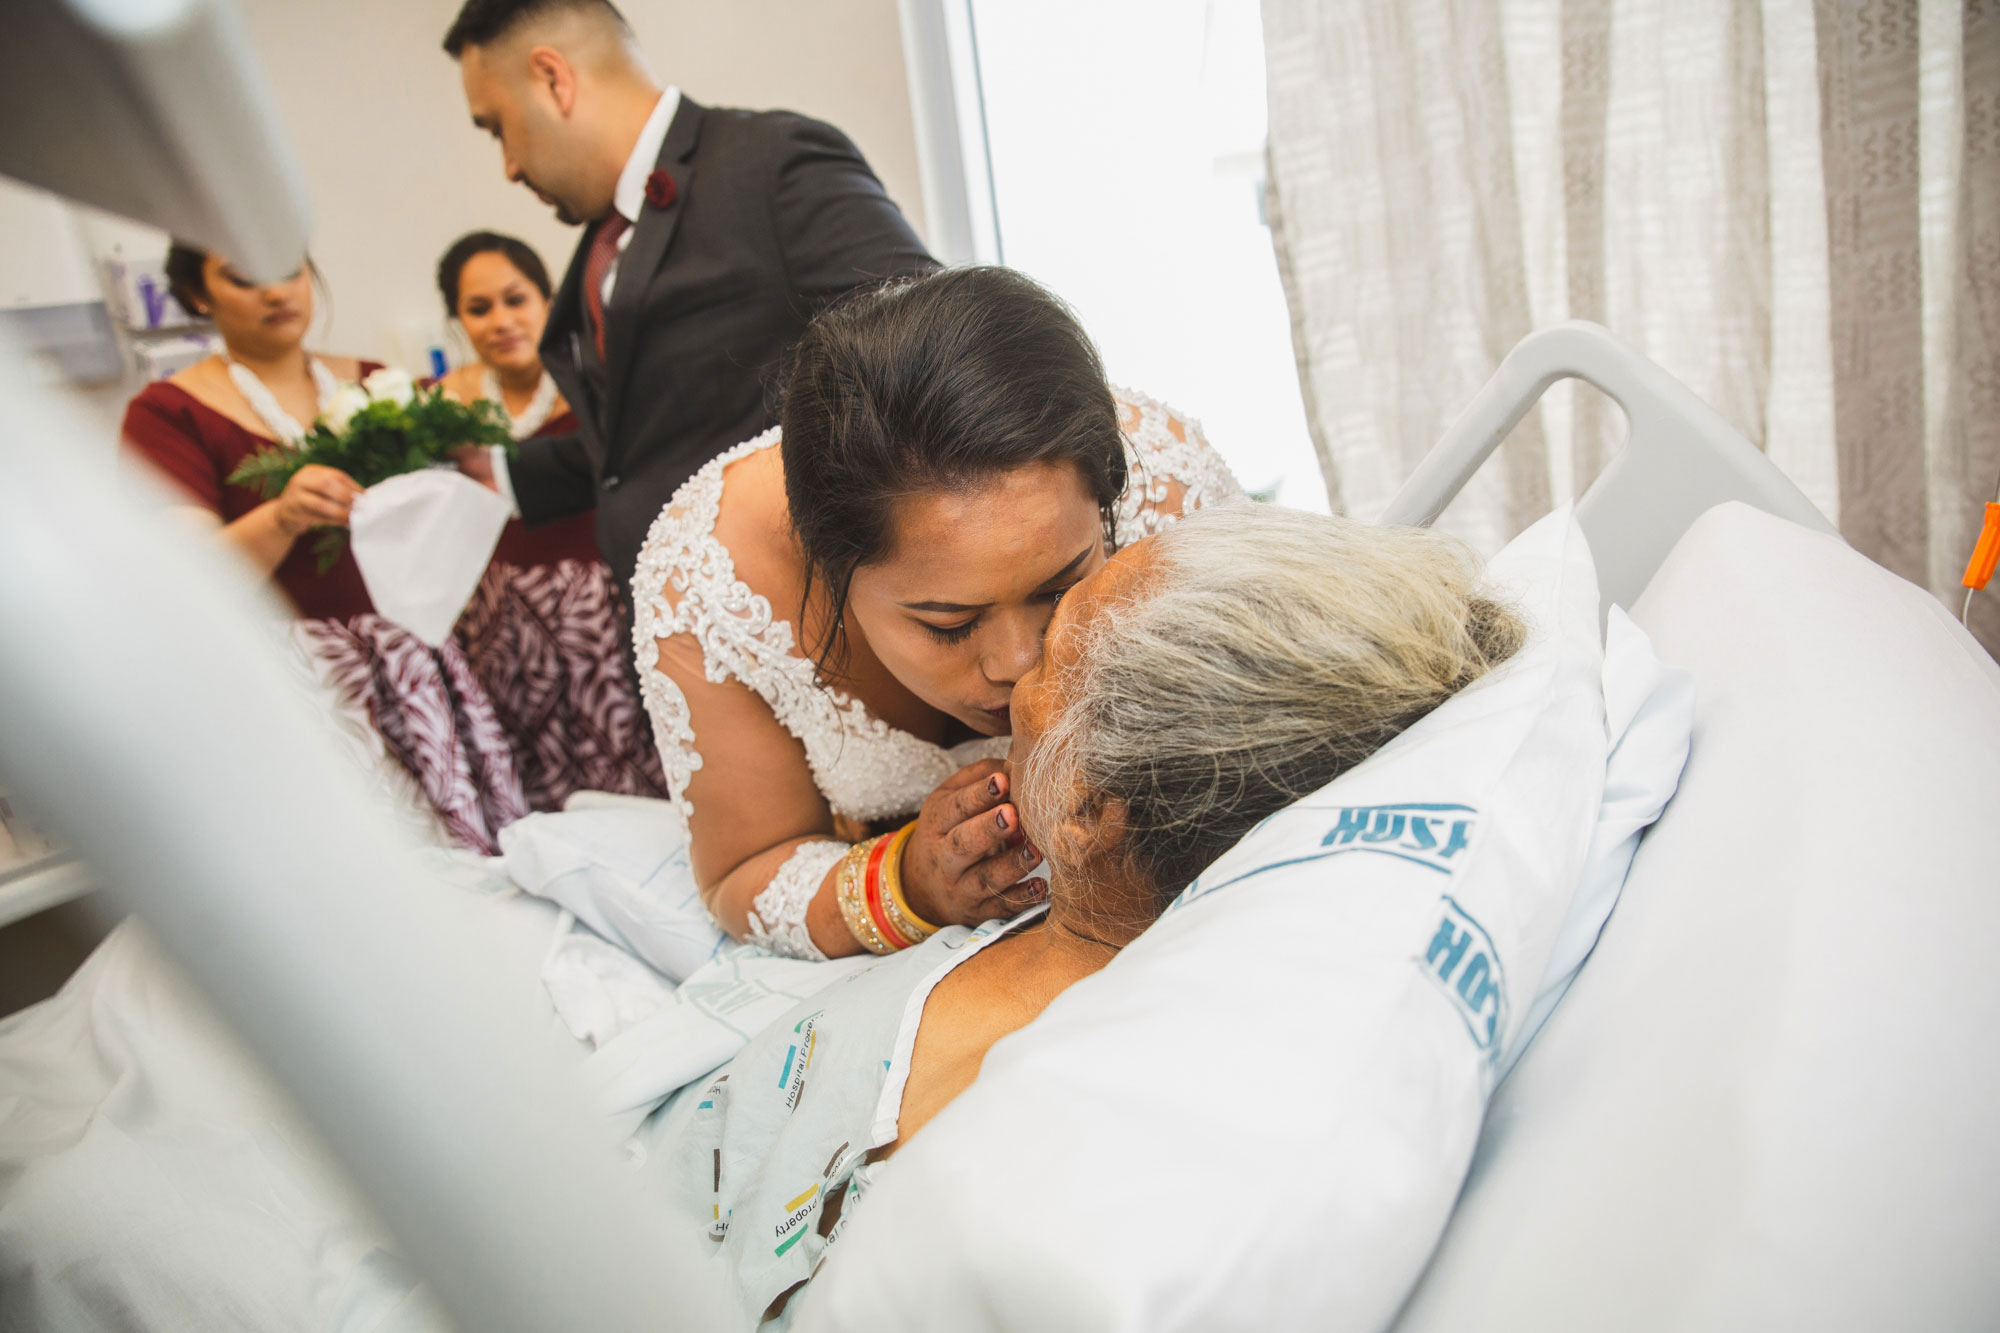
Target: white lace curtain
{"x":1792,"y":205}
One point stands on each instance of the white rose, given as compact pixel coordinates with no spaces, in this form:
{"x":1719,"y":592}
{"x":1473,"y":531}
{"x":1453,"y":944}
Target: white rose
{"x":390,"y":385}
{"x":347,"y":400}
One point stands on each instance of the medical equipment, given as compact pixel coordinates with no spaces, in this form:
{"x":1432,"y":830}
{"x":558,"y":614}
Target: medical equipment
{"x":153,"y":109}
{"x":126,"y":647}
{"x":1985,"y":555}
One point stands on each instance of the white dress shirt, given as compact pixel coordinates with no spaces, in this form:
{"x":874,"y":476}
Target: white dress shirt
{"x":630,"y":196}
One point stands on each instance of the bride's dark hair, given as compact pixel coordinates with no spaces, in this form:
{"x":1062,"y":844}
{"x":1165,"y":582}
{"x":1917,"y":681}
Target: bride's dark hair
{"x":935,"y":383}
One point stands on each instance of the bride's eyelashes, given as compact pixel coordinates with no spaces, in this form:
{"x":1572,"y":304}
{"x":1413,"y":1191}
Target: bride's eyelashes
{"x":949,"y":634}
{"x":953,"y":634}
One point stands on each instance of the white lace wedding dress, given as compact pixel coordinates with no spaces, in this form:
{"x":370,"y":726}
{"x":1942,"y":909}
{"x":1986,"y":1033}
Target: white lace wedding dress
{"x":686,"y":583}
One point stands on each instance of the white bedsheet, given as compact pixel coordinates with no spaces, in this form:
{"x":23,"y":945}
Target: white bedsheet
{"x":153,"y":1178}
{"x":640,"y":970}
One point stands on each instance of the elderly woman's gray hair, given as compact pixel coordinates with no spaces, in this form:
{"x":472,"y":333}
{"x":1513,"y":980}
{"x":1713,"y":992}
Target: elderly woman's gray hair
{"x":1267,"y":652}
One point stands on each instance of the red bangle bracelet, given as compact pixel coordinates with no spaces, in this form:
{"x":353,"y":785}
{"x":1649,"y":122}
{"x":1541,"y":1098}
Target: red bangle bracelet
{"x":872,"y":883}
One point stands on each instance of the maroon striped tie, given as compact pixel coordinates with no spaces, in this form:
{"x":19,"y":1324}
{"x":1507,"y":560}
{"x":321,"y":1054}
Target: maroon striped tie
{"x":603,"y":249}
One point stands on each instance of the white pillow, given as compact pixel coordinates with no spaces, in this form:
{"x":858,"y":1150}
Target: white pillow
{"x":1768,"y":1100}
{"x":1259,"y":1114}
{"x":1648,"y":716}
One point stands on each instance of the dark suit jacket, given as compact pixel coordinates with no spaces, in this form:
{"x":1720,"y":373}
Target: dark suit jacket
{"x":775,"y":216}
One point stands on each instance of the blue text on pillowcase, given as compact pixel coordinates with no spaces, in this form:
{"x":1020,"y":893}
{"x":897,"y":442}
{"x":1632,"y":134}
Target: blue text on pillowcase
{"x":1429,"y":834}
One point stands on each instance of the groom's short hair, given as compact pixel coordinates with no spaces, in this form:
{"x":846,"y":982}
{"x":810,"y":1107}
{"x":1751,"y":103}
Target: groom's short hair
{"x":484,"y":22}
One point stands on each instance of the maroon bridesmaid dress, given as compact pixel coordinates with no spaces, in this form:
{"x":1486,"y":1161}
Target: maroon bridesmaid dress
{"x":429,"y":705}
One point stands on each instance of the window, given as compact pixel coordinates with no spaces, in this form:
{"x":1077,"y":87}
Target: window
{"x":1125,"y":145}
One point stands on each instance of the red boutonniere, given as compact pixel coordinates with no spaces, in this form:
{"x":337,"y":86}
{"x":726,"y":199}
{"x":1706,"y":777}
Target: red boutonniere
{"x":661,"y":190}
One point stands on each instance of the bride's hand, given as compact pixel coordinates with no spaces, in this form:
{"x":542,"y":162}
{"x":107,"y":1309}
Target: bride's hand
{"x":316,"y":497}
{"x":966,"y":861}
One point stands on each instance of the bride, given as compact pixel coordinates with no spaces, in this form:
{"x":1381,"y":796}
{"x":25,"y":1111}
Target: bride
{"x":830,"y":619}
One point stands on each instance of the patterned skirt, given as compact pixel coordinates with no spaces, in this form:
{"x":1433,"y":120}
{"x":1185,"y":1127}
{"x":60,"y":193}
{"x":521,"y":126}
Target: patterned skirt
{"x":432,"y":717}
{"x":529,"y":701}
{"x":551,"y":647}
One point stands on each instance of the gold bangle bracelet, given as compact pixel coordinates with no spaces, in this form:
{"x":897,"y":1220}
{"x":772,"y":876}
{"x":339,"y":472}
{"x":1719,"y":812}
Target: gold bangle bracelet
{"x":897,"y":906}
{"x":850,"y":893}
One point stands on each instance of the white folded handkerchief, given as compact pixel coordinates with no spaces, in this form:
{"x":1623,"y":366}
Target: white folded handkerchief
{"x":422,"y":540}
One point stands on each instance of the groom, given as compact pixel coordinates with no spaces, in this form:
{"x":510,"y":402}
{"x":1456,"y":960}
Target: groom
{"x":711,"y":237}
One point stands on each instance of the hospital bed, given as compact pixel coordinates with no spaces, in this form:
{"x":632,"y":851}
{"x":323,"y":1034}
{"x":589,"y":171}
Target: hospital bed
{"x":1763,"y":1100}
{"x":1762,"y":1105}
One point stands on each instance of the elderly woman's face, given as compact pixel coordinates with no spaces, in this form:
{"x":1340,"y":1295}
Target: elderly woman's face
{"x":1041,"y":694}
{"x":957,"y":609}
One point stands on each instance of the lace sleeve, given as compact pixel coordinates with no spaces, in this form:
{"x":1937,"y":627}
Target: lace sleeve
{"x":673,"y":733}
{"x":685,"y":593}
{"x":655,"y":621}
{"x":778,"y":916}
{"x":713,"y":659}
{"x":1173,"y":468}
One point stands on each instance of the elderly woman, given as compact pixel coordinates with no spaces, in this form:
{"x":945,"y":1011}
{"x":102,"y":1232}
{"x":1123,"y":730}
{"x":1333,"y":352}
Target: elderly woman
{"x":1198,"y":682}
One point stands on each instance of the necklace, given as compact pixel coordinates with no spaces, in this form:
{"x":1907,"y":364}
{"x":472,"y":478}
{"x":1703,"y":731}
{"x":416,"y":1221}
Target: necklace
{"x":1082,"y":938}
{"x":265,"y":404}
{"x":533,"y":415}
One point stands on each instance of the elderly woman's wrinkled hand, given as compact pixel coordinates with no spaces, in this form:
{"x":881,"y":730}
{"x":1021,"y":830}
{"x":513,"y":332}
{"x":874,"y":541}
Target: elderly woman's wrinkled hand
{"x":968,"y":859}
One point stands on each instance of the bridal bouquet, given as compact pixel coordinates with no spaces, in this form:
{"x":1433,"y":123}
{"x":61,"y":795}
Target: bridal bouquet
{"x":381,"y":428}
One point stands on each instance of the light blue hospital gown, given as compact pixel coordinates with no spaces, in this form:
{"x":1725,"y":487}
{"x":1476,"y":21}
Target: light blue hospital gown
{"x":754,"y":1151}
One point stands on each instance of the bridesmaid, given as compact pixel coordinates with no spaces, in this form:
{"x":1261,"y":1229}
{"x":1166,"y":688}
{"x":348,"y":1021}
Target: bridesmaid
{"x":543,"y":630}
{"x":264,"y":390}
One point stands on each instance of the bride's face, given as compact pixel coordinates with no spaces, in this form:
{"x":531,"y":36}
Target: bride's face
{"x":957,"y":608}
{"x":502,"y":312}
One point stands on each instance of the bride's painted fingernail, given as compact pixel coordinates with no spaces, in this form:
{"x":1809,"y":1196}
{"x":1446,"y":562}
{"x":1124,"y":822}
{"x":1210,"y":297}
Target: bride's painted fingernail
{"x":1000,"y":818}
{"x":993,"y":785}
{"x":1028,"y":854}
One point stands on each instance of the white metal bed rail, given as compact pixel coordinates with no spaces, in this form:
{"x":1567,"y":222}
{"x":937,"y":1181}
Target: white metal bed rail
{"x":1680,"y":458}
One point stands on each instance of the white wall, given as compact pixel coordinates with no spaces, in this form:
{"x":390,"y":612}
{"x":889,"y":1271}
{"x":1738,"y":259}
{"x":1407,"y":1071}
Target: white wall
{"x":43,"y":262}
{"x":397,"y":171}
{"x":50,"y":259}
